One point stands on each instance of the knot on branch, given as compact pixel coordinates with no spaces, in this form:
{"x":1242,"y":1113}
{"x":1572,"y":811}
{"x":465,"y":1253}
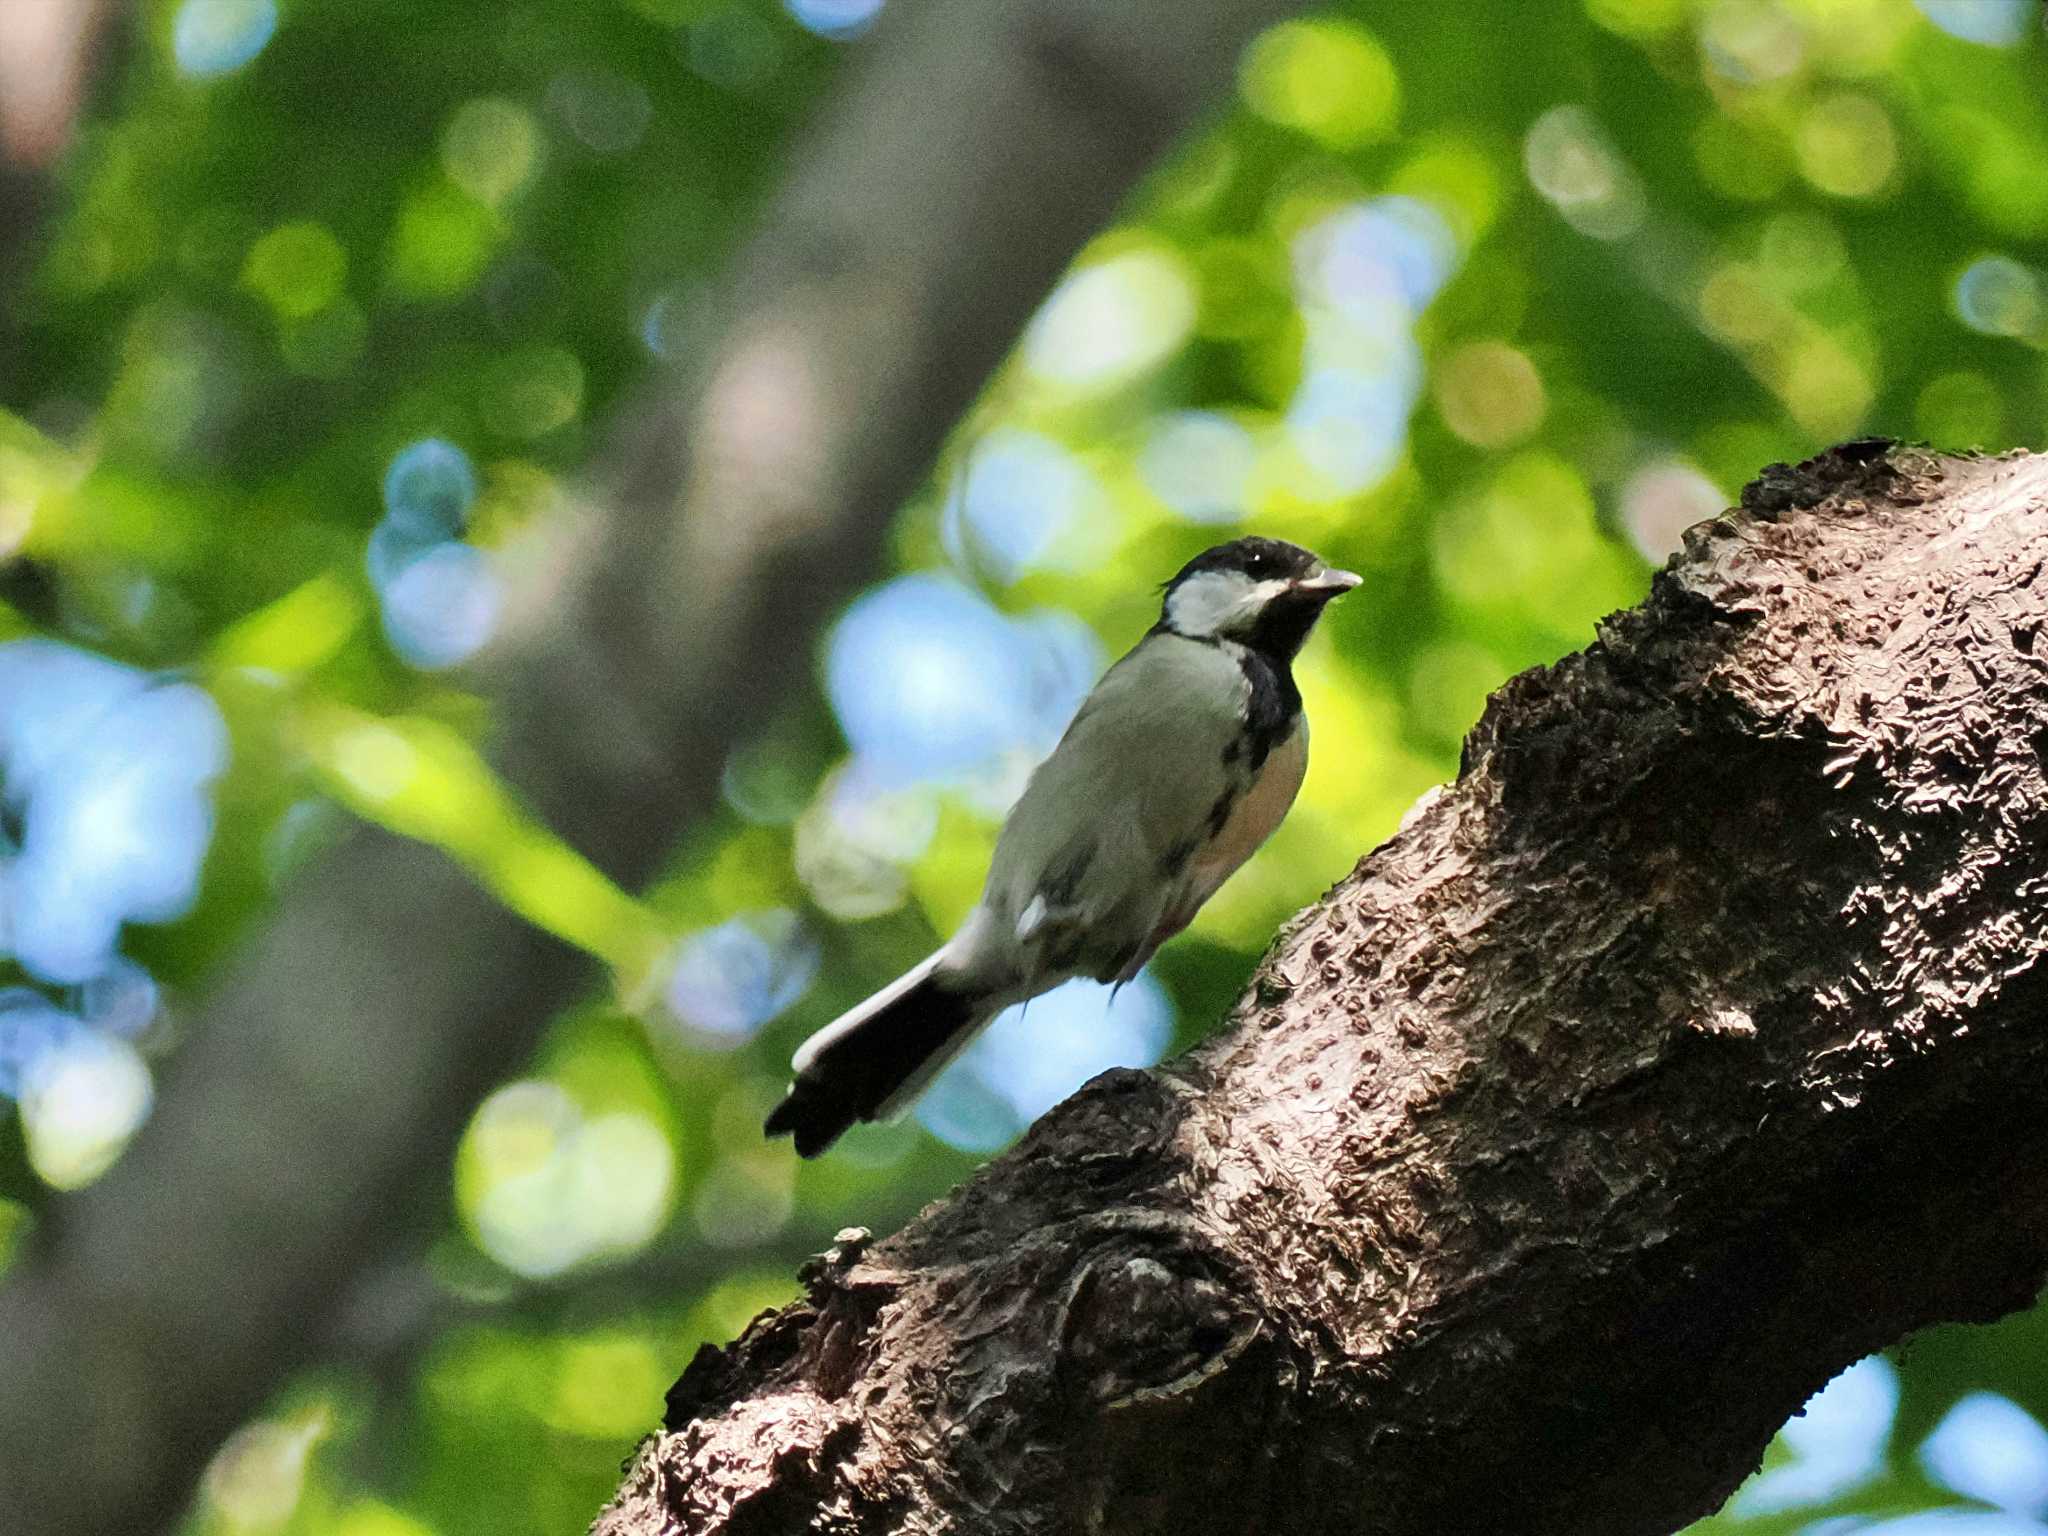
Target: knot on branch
{"x":1134,"y":1330}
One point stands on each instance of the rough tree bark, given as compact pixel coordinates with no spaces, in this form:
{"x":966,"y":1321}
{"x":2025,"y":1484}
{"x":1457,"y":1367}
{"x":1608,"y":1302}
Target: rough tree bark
{"x":1687,"y":1048}
{"x":972,"y":150}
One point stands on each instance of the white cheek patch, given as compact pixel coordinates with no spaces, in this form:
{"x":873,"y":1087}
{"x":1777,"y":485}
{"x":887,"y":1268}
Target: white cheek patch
{"x":1219,"y":602}
{"x":1200,"y":604}
{"x":1264,"y":593}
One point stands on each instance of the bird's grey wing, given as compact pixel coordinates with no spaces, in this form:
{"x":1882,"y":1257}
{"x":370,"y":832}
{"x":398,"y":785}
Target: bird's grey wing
{"x":1094,"y":850}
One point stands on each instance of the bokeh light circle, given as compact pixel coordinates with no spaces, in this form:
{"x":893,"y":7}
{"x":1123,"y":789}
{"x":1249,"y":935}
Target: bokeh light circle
{"x":1992,"y":23}
{"x":1037,"y":1053}
{"x":109,"y":775}
{"x":731,"y":979}
{"x":929,"y":680}
{"x":1199,"y":463}
{"x":834,"y":18}
{"x":1112,"y":320}
{"x":81,"y":1101}
{"x":217,"y":37}
{"x":1989,"y":1448}
{"x":429,"y":489}
{"x":440,"y":608}
{"x":1998,"y":296}
{"x":1019,"y":492}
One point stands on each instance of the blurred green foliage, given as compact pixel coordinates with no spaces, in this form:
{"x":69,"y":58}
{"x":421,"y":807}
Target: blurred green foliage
{"x":1487,"y":302}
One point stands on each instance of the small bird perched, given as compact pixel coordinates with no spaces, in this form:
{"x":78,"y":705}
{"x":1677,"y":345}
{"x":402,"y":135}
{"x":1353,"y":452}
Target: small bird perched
{"x":1175,"y":769}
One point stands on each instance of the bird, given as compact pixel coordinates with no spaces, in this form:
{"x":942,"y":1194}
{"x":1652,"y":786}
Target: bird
{"x":1183,"y":759}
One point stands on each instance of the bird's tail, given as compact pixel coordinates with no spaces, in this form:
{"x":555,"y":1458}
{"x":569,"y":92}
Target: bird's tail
{"x":874,"y":1058}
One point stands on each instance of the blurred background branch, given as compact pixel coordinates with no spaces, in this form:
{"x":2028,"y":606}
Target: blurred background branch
{"x":351,"y":1037}
{"x":51,"y":53}
{"x":47,"y":52}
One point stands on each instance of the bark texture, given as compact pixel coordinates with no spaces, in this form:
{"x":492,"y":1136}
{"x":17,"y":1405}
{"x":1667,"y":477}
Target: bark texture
{"x":972,"y":149}
{"x":1693,"y":1044}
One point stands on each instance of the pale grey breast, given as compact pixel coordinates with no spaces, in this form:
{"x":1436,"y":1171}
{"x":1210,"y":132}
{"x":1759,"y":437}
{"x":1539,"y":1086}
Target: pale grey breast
{"x":1258,"y":812}
{"x":1251,"y":817}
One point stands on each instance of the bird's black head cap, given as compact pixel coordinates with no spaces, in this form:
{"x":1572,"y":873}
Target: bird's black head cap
{"x":1262,"y":593}
{"x":1259,"y":558}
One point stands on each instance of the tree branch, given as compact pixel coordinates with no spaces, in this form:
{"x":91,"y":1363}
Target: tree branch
{"x":49,"y":53}
{"x":981,"y":142}
{"x":53,"y":57}
{"x":1686,"y":1049}
{"x":46,"y":59}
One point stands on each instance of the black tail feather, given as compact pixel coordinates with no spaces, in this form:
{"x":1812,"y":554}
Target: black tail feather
{"x":852,"y":1077}
{"x":814,"y":1114}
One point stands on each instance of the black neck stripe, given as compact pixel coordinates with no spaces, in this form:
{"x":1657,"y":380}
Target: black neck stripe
{"x":1272,"y":703}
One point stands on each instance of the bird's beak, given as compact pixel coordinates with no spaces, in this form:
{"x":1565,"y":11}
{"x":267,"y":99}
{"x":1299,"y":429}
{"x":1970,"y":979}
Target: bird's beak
{"x":1328,"y":583}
